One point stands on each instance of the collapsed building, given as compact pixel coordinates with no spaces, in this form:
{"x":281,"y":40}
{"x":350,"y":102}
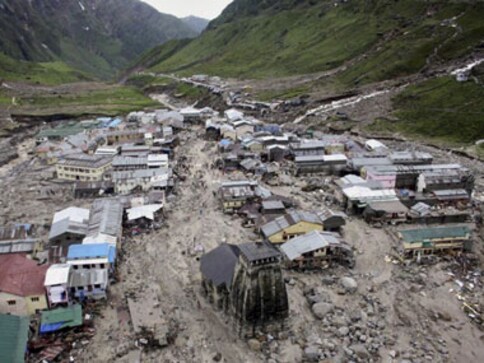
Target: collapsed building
{"x":246,"y":282}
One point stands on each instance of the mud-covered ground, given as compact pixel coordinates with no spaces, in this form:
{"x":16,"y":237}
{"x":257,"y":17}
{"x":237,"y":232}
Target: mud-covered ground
{"x":398,"y":313}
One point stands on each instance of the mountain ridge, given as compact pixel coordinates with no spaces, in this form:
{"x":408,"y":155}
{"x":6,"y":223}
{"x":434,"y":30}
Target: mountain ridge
{"x":196,"y":23}
{"x":98,"y":37}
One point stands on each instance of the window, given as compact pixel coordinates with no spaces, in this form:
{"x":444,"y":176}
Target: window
{"x":102,"y":265}
{"x":80,"y":288}
{"x":89,"y":287}
{"x":97,"y":286}
{"x":11,"y":302}
{"x":73,"y":290}
{"x":34,"y":299}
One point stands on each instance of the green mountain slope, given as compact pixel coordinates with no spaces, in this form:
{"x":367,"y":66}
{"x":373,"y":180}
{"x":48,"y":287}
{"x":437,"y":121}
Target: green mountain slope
{"x":96,"y":36}
{"x":376,"y":39}
{"x":49,"y":73}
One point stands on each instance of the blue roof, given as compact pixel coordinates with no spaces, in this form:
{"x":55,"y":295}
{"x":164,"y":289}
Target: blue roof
{"x":115,"y":122}
{"x":100,"y":250}
{"x":224,"y":142}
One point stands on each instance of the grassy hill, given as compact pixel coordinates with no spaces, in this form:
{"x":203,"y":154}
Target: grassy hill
{"x":98,"y":37}
{"x":377,"y":39}
{"x":48,"y":73}
{"x":439,"y":109}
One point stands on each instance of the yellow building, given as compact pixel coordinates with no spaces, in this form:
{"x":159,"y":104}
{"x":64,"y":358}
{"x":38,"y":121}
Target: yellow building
{"x":293,"y":224}
{"x":83,"y":167}
{"x":21,"y":285}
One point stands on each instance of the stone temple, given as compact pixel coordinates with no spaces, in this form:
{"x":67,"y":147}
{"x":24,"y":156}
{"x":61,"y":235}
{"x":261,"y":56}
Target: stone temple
{"x":246,"y":282}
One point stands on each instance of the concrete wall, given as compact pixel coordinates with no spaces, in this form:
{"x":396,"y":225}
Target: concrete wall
{"x":294,"y":231}
{"x":80,"y":173}
{"x":20,"y":307}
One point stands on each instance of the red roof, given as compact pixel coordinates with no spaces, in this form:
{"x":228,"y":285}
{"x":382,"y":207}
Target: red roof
{"x":21,"y":276}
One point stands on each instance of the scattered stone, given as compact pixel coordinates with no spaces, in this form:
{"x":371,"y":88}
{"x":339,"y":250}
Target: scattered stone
{"x":254,"y":345}
{"x":321,"y":309}
{"x":343,"y":331}
{"x":217,"y":357}
{"x":360,"y":351}
{"x":311,"y":353}
{"x":349,"y":284}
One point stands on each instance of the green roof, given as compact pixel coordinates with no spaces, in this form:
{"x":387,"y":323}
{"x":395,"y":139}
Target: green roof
{"x":68,"y":129}
{"x":428,"y":234}
{"x":60,"y":318}
{"x":14,"y":334}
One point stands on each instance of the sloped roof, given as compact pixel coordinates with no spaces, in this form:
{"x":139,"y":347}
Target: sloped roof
{"x":57,"y":274}
{"x":145,"y":211}
{"x":218,"y":265}
{"x":14,"y":334}
{"x":74,"y":214}
{"x":21,"y":276}
{"x":60,"y":318}
{"x":423,"y":234}
{"x":91,"y":251}
{"x":311,"y":241}
{"x":288,"y":220}
{"x":254,"y":251}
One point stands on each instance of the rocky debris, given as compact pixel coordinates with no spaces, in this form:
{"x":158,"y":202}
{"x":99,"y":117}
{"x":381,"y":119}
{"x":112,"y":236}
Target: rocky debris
{"x":322,"y":309}
{"x":349,"y":285}
{"x":254,"y":345}
{"x":311,"y":354}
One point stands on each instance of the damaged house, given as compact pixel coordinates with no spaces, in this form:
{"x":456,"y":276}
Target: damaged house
{"x":18,"y":238}
{"x":69,"y":226}
{"x":418,"y":243}
{"x":127,"y":182}
{"x":235,"y":194}
{"x":290,"y":225}
{"x":317,"y":250}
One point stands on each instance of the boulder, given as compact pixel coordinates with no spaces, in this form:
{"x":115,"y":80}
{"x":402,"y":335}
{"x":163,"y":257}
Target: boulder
{"x":321,"y":309}
{"x":254,"y":345}
{"x":360,"y":351}
{"x":349,"y":284}
{"x":311,"y":354}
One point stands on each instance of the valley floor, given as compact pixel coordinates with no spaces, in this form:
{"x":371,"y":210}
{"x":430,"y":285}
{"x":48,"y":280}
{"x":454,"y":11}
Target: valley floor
{"x":405,"y":313}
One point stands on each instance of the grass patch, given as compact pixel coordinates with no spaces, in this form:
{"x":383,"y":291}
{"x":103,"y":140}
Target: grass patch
{"x":52,"y":73}
{"x":286,"y":94}
{"x":113,"y":100}
{"x":441,"y":110}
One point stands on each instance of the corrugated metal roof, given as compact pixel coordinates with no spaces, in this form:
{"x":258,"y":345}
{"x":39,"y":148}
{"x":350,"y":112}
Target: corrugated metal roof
{"x":65,"y":226}
{"x":21,"y":276}
{"x":424,"y":234}
{"x":79,"y":215}
{"x":92,"y":251}
{"x":289,"y":219}
{"x":60,"y":318}
{"x":255,"y":251}
{"x":145,"y":211}
{"x":311,"y":241}
{"x":14,"y":334}
{"x":106,"y":217}
{"x":57,"y":275}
